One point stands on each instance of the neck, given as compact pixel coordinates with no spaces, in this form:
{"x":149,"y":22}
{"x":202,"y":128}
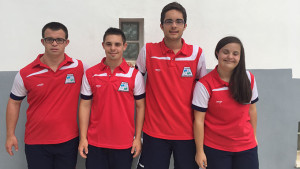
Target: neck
{"x":112,"y":64}
{"x":174,"y":45}
{"x":224,"y":75}
{"x":52,"y":61}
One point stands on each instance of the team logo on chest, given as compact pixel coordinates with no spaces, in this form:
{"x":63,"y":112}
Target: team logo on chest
{"x":70,"y":79}
{"x":187,"y":72}
{"x":124,"y":87}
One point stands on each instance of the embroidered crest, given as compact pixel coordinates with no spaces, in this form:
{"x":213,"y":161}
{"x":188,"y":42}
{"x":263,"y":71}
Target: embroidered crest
{"x":70,"y":79}
{"x":124,"y":87}
{"x":187,"y":72}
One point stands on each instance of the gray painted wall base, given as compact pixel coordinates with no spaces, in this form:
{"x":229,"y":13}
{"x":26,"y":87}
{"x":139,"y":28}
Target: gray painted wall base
{"x":278,"y":117}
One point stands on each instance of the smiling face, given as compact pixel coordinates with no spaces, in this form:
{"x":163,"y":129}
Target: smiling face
{"x":54,"y":49}
{"x":173,"y":31}
{"x":114,"y":47}
{"x":229,"y":56}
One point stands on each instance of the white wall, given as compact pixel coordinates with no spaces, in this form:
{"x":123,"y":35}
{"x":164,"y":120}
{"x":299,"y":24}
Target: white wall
{"x":269,"y":29}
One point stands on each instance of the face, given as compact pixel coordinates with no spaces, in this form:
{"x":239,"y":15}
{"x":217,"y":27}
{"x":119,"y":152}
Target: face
{"x":54,"y":49}
{"x":175,"y":30}
{"x":229,"y":56}
{"x":114,"y":47}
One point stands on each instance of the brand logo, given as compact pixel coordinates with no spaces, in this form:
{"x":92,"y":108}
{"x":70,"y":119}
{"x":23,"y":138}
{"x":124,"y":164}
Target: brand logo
{"x":187,"y":72}
{"x":70,"y":79}
{"x":157,"y":70}
{"x":219,"y":102}
{"x":141,"y":165}
{"x":98,"y":86}
{"x":41,"y":84}
{"x":124,"y":87}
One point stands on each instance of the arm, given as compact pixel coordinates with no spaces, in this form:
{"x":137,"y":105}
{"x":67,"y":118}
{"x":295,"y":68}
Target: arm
{"x":12,"y":116}
{"x":200,"y":157}
{"x":84,"y":116}
{"x":253,"y":117}
{"x":140,"y":114}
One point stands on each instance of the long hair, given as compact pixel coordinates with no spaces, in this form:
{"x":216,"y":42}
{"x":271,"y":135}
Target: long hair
{"x":239,"y":84}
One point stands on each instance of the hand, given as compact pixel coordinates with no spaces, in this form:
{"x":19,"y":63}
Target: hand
{"x":83,"y":148}
{"x":201,"y":160}
{"x":10,"y":142}
{"x":136,"y":147}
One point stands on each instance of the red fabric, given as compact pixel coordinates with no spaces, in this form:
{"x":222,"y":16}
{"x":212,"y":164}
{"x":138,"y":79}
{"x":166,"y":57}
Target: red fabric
{"x":52,"y":111}
{"x":168,"y":94}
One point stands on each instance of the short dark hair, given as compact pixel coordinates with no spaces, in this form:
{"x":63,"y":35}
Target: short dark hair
{"x":239,"y":84}
{"x":171,"y":6}
{"x":114,"y":31}
{"x":55,"y":26}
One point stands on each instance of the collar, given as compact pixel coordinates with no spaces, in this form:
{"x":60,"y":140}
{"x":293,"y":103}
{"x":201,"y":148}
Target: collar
{"x":123,"y":66}
{"x":219,"y":81}
{"x":37,"y":61}
{"x":165,"y":49}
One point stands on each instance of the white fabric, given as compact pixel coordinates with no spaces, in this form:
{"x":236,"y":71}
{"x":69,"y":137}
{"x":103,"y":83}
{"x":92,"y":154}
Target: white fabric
{"x":141,"y":60}
{"x":139,"y":85}
{"x":18,"y":88}
{"x":201,"y":96}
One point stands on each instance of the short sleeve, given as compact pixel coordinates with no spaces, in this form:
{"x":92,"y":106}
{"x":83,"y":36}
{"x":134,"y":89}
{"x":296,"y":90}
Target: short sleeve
{"x":18,"y":91}
{"x":141,"y":60}
{"x":254,"y":97}
{"x":139,"y":86}
{"x":200,"y":97}
{"x":201,"y":66}
{"x":86,"y":92}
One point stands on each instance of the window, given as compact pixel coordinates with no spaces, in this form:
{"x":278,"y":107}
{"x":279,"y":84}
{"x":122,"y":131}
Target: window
{"x":298,"y":148}
{"x":134,"y":32}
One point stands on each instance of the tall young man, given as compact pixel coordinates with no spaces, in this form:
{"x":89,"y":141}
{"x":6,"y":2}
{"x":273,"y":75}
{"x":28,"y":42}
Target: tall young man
{"x":172,"y":68}
{"x":52,"y":86}
{"x":109,"y":93}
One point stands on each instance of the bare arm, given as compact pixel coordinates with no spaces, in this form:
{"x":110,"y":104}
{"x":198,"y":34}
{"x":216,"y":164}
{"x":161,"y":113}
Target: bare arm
{"x":84,"y":117}
{"x":140,"y":114}
{"x":12,"y":116}
{"x":253,"y":117}
{"x":199,"y":138}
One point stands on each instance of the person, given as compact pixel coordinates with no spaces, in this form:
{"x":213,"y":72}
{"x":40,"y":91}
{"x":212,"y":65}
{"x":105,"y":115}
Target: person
{"x":109,"y":93}
{"x":225,"y":111}
{"x":52,"y":85}
{"x":172,"y":68}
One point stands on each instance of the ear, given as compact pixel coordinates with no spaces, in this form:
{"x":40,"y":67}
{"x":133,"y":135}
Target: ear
{"x":67,"y":42}
{"x":125,"y":46}
{"x":161,"y":27}
{"x":217,"y":54}
{"x":43,"y":42}
{"x":185,"y":25}
{"x":103,"y":45}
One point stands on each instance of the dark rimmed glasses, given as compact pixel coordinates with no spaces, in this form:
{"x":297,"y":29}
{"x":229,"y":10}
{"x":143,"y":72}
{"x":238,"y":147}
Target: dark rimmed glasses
{"x":57,"y":40}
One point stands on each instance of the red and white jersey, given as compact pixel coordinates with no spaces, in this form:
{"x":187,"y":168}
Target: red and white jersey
{"x":52,"y":98}
{"x":113,"y":97}
{"x":170,"y":82}
{"x":227,"y":122}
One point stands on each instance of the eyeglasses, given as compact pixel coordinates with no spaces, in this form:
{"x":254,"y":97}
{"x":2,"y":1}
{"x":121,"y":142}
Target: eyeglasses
{"x":178,"y":22}
{"x":57,"y":40}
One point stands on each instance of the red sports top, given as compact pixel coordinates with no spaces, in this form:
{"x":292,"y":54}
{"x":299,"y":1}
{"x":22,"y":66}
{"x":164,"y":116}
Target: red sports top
{"x":170,"y":82}
{"x":227,"y":122}
{"x":112,"y":114}
{"x":52,"y":98}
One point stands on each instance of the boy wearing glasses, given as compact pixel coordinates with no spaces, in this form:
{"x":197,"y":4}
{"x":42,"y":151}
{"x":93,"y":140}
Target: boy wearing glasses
{"x":52,"y":86}
{"x":111,"y":90}
{"x":172,"y":68}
